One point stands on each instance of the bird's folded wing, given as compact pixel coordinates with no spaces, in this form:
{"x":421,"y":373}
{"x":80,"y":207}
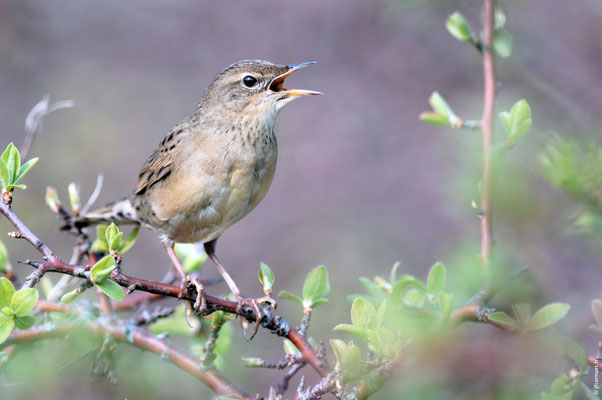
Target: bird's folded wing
{"x":159,"y":164}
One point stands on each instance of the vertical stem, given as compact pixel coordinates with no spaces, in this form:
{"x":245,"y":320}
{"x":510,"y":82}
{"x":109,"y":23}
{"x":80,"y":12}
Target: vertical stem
{"x":487,"y":133}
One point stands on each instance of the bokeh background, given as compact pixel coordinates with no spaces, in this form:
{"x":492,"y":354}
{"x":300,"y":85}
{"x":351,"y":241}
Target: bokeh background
{"x":361,"y":182}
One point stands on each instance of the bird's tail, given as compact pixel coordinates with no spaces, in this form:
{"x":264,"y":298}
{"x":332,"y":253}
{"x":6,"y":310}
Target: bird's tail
{"x":121,"y":212}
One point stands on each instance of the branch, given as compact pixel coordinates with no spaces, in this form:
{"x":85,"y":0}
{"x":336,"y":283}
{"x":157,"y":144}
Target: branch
{"x":142,"y":339}
{"x":487,"y":133}
{"x":52,"y":263}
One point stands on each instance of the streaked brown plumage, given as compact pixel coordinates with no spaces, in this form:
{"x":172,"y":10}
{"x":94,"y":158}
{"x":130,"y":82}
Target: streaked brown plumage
{"x":214,"y":167}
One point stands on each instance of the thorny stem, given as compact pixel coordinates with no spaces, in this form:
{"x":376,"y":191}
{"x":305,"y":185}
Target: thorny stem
{"x":487,"y":133}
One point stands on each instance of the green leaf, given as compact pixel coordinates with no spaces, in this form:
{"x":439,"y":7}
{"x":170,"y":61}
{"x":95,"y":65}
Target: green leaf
{"x":69,"y":297}
{"x":320,"y":302}
{"x":575,"y":352}
{"x":13,"y":162}
{"x":4,"y":174}
{"x":458,"y":27}
{"x":266,"y":277}
{"x":502,"y":43}
{"x":380,"y":314}
{"x":363,"y":314}
{"x":523,"y":313}
{"x":111,"y":289}
{"x":413,"y":298}
{"x":25,"y":168}
{"x":7,"y":290}
{"x":25,"y":322}
{"x":6,"y":327}
{"x":349,"y":358}
{"x":499,"y":18}
{"x":289,"y":347}
{"x":597,"y":311}
{"x":316,"y":285}
{"x":8,"y":312}
{"x":352,"y":329}
{"x":547,"y":315}
{"x":441,"y":107}
{"x":504,"y":319}
{"x":289,"y":296}
{"x":4,"y":267}
{"x":24,"y":301}
{"x":446,"y":304}
{"x":434,"y":118}
{"x":437,"y":278}
{"x":113,"y":236}
{"x":371,"y":287}
{"x":102,"y":269}
{"x":393,"y":273}
{"x":517,"y":122}
{"x":129,"y":241}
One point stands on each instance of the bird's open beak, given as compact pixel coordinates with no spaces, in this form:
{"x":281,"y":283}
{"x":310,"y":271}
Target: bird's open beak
{"x":277,"y":85}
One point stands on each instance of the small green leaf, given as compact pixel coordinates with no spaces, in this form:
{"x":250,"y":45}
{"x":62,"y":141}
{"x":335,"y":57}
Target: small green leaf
{"x":575,"y":352}
{"x":316,"y":285}
{"x":111,"y":289}
{"x":266,"y":277}
{"x":499,"y":18}
{"x":413,"y":298}
{"x":25,"y":168}
{"x":69,"y":297}
{"x":129,"y":241}
{"x":597,"y":311}
{"x":437,"y":278}
{"x":113,"y":236}
{"x":252,"y":362}
{"x":13,"y":162}
{"x":4,"y":174}
{"x":289,"y":296}
{"x":289,"y":347}
{"x":102,"y":269}
{"x":458,"y":27}
{"x":25,"y":322}
{"x":6,"y":327}
{"x":7,"y":290}
{"x":52,"y":198}
{"x":320,"y":302}
{"x":352,"y":329}
{"x":547,"y":315}
{"x":446,"y":303}
{"x":7,"y":312}
{"x":4,"y":266}
{"x":504,"y":319}
{"x":517,"y":122}
{"x":349,"y":358}
{"x":393,"y":273}
{"x":24,"y":301}
{"x":440,"y":106}
{"x":363,"y":314}
{"x":502,"y":43}
{"x":380,"y":314}
{"x":434,"y":118}
{"x":372,"y":288}
{"x":522,"y":312}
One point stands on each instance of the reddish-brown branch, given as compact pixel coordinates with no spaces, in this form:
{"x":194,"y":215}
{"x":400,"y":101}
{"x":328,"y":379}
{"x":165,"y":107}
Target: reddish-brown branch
{"x":141,"y":339}
{"x":53,"y":263}
{"x":487,"y":133}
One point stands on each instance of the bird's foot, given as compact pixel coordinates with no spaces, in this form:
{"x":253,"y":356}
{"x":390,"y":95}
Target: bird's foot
{"x":261,"y":311}
{"x":200,"y":304}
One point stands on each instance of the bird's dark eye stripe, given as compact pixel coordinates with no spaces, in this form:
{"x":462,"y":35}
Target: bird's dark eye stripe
{"x":249,"y":81}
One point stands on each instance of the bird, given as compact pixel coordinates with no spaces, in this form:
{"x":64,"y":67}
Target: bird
{"x":212,"y":168}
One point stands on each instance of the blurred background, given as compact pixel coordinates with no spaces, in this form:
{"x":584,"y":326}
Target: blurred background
{"x":361,"y":182}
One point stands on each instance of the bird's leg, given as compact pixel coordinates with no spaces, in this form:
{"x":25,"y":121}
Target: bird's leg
{"x":200,"y":303}
{"x":253,"y":303}
{"x":169,"y":247}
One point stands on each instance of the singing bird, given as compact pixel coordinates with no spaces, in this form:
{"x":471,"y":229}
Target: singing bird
{"x":213,"y":167}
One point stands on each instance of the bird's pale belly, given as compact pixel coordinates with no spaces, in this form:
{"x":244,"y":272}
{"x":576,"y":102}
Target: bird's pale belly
{"x":227,"y":203}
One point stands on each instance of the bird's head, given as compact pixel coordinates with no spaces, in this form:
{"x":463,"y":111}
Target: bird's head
{"x":253,"y":87}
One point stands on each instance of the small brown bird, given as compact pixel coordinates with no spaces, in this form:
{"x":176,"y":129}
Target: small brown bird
{"x":214,"y":167}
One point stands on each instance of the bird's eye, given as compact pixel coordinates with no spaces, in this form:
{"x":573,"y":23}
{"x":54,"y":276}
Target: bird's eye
{"x":249,"y":81}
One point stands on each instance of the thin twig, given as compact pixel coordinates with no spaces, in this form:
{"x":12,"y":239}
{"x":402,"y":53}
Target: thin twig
{"x":33,"y":121}
{"x":487,"y":133}
{"x":94,"y":195}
